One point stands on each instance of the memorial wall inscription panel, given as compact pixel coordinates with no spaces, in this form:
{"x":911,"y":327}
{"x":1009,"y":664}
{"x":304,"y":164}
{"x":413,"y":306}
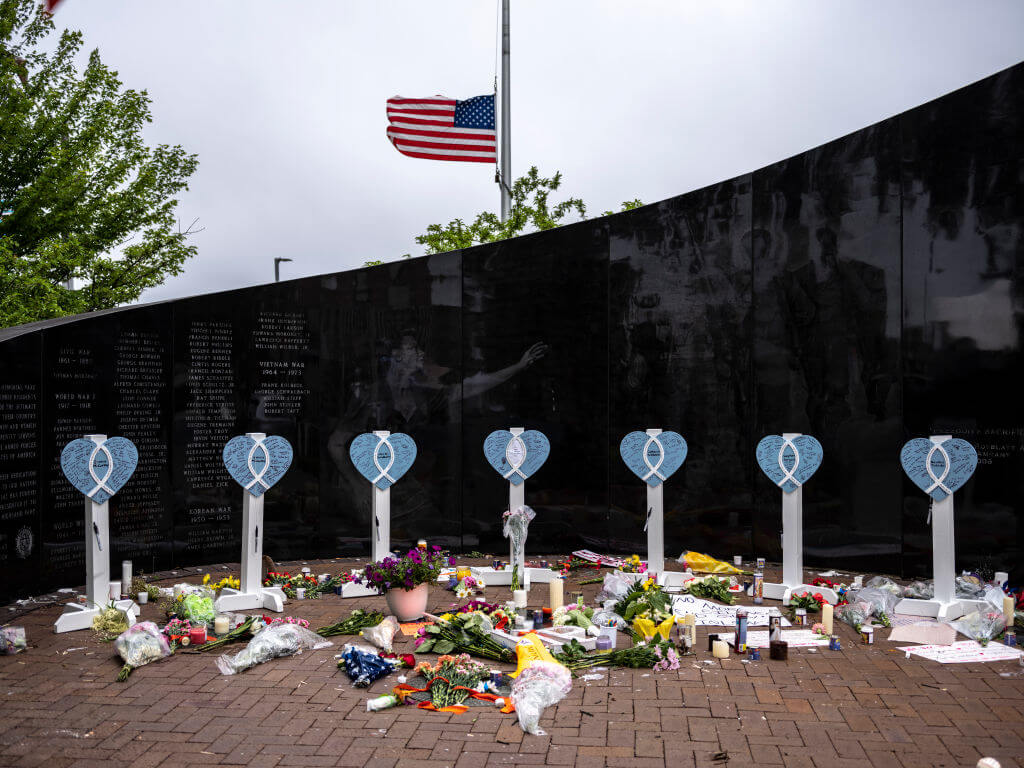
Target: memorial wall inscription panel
{"x":864,"y":292}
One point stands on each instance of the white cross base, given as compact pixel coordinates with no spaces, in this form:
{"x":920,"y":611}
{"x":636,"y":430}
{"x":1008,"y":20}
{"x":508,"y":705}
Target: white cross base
{"x":945,"y":604}
{"x":252,"y":593}
{"x":793,"y":549}
{"x":97,"y":570}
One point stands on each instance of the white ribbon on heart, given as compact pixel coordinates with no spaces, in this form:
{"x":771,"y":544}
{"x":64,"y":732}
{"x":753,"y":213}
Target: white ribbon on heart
{"x":938,"y":481}
{"x":391,"y":461}
{"x":258,"y":476}
{"x":653,"y":440}
{"x":789,"y":474}
{"x":101,"y":483}
{"x":515,"y":465}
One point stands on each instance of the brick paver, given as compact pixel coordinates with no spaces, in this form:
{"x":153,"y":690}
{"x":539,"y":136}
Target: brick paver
{"x":858,"y":707}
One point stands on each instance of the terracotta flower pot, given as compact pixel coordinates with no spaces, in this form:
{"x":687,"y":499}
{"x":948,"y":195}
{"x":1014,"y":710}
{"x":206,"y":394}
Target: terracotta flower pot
{"x":407,"y":604}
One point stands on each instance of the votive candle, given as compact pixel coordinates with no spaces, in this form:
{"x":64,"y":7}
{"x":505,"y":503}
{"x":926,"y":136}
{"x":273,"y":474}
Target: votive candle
{"x":557,"y":592}
{"x":720,"y":649}
{"x":1008,"y":610}
{"x":221,"y":625}
{"x":519,"y":598}
{"x":827,"y":617}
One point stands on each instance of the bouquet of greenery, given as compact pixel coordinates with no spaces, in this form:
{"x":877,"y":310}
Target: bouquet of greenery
{"x":452,"y":679}
{"x":357,"y":621}
{"x":574,"y":615}
{"x":414,"y":568}
{"x":710,"y":588}
{"x":644,"y":599}
{"x":199,"y":610}
{"x":811,"y":603}
{"x":662,"y":655}
{"x":462,"y":633}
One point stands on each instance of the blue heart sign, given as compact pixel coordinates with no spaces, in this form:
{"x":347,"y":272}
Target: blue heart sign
{"x":516,"y":457}
{"x":99,"y":469}
{"x":383,"y":459}
{"x":257,"y":464}
{"x":789,"y":463}
{"x":939,"y":469}
{"x":653,"y":458}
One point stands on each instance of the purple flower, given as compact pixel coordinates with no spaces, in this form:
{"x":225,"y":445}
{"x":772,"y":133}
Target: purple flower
{"x":451,"y":561}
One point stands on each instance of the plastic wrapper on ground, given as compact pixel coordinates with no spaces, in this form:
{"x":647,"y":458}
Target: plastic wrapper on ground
{"x":881,"y":600}
{"x":854,"y":613}
{"x":920,"y":590}
{"x":884,"y":583}
{"x":615,"y":587}
{"x":363,"y":666}
{"x":537,"y":687}
{"x":981,"y":625}
{"x":270,"y":643}
{"x":142,"y":643}
{"x":12,"y":640}
{"x":969,"y":587}
{"x":382,"y":635}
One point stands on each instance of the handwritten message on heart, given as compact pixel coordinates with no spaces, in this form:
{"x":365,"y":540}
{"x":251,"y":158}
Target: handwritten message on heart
{"x":939,"y":469}
{"x":99,"y":470}
{"x":516,"y":457}
{"x":383,"y":460}
{"x":257,"y":465}
{"x":789,"y":463}
{"x":653,"y":458}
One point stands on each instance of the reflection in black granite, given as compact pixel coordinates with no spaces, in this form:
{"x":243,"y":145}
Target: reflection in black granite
{"x":866,"y":291}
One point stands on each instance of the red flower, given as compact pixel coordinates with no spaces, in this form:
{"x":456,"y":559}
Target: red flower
{"x":408,"y":659}
{"x":819,"y":599}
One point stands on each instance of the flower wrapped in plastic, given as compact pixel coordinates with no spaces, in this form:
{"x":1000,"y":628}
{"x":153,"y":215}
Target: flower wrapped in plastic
{"x":537,"y":687}
{"x":574,"y":615}
{"x":198,"y":609}
{"x":139,"y":645}
{"x":855,"y":613}
{"x":363,"y":666}
{"x":270,"y":643}
{"x":514,"y":528}
{"x":981,"y":625}
{"x":882,"y":601}
{"x":382,"y":635}
{"x":12,"y":640}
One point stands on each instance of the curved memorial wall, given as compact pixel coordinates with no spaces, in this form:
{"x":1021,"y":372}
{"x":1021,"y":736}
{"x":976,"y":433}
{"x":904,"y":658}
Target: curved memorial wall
{"x":864,"y":292}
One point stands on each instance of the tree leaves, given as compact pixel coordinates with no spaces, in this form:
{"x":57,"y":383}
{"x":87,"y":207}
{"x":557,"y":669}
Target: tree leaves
{"x":88,"y":199}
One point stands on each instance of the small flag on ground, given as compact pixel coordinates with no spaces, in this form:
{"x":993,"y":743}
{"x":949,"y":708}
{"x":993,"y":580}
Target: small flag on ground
{"x":439,"y":128}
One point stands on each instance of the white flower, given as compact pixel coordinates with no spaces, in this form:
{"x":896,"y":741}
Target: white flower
{"x":462,"y":591}
{"x":593,"y":631}
{"x":480,"y":583}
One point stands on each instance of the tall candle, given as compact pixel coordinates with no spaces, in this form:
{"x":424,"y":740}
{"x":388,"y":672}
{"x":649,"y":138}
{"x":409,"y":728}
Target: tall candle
{"x":557,"y":587}
{"x":126,"y":576}
{"x":519,"y":598}
{"x":115,"y":590}
{"x":720,"y":649}
{"x":1008,"y":610}
{"x":691,"y":622}
{"x":827,"y":614}
{"x":220,"y":625}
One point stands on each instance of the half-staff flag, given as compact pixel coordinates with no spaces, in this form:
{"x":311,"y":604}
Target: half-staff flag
{"x":439,"y":128}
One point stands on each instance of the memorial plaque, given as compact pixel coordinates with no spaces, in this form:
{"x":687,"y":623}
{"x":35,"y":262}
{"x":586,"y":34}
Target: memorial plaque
{"x":141,"y":520}
{"x":283,"y":374}
{"x":535,"y":351}
{"x":679,"y":307}
{"x":208,"y":400}
{"x":392,"y":361}
{"x":825,"y":250}
{"x":19,"y":468}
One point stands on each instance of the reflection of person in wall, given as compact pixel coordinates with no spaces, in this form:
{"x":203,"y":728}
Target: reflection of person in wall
{"x":416,"y":396}
{"x":419,"y":389}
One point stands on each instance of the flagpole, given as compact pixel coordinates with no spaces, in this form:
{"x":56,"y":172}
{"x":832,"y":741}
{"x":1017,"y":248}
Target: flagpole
{"x":505,"y":177}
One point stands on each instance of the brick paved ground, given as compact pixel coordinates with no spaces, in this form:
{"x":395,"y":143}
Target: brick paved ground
{"x":859,"y":707}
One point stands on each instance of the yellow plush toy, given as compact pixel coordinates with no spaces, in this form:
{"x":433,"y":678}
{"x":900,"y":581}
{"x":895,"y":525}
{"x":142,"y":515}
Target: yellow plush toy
{"x":529,"y":650}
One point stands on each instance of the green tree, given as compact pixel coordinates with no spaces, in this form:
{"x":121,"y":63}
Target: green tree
{"x":81,"y":195}
{"x":531,"y":210}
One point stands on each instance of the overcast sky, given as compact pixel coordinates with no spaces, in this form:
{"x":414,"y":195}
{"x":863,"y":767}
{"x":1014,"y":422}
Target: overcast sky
{"x":284,"y":102}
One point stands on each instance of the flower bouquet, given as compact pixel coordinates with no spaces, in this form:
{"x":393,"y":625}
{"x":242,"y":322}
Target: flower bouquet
{"x":452,"y":680}
{"x":469,"y":586}
{"x":710,"y":588}
{"x":575,"y":615}
{"x":646,"y":599}
{"x":414,"y":568}
{"x":139,"y":645}
{"x":177,"y":631}
{"x":462,"y":633}
{"x":357,"y":621}
{"x":812,"y":603}
{"x":634,"y":565}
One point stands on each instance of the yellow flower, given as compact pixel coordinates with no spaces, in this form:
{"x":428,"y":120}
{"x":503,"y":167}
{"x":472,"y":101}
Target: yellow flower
{"x":447,"y":617}
{"x":206,"y":579}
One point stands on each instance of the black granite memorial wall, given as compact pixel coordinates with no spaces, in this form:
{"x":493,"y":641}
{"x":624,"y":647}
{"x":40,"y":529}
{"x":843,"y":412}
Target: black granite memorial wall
{"x":866,"y":291}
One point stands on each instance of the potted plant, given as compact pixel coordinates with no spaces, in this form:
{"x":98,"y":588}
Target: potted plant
{"x":404,"y":581}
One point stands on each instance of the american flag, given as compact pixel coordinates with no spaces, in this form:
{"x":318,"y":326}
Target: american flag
{"x":439,"y":128}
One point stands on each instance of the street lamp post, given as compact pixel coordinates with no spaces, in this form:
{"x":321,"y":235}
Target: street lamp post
{"x":277,"y":267}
